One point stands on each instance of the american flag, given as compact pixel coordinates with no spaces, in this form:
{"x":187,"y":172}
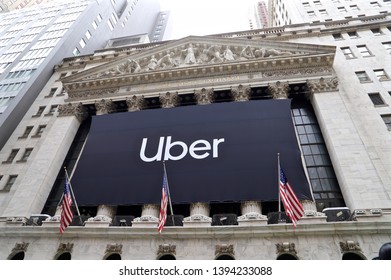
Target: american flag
{"x":163,"y":205}
{"x":292,"y":205}
{"x":66,"y":212}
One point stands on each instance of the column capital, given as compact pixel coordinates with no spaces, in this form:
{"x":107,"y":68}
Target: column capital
{"x":323,"y":85}
{"x":104,"y":106}
{"x":204,"y":96}
{"x":73,"y":109}
{"x":135,"y":103}
{"x":241,"y":93}
{"x":279,"y":90}
{"x":169,"y":99}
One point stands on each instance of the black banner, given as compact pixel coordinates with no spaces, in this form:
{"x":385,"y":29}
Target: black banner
{"x":217,"y":152}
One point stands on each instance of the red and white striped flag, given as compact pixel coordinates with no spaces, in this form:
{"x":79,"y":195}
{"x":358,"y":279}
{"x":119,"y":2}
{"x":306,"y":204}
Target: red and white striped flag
{"x":293,"y":208}
{"x":66,"y":212}
{"x":163,"y":205}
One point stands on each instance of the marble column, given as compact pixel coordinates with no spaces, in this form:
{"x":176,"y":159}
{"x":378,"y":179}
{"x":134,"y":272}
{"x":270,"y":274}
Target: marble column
{"x":199,"y":215}
{"x":149,"y":216}
{"x":104,"y":216}
{"x":251,"y":214}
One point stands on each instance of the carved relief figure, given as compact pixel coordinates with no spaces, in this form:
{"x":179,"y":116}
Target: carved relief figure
{"x":167,"y":61}
{"x":190,"y":54}
{"x":152,"y":63}
{"x":214,"y":53}
{"x":247,"y":53}
{"x":228,"y":54}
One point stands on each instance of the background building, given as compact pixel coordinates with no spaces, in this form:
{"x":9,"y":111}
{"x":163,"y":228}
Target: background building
{"x":33,"y":40}
{"x":335,"y":75}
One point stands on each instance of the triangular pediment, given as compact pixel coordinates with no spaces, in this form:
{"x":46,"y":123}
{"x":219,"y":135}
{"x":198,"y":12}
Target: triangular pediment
{"x":202,"y":53}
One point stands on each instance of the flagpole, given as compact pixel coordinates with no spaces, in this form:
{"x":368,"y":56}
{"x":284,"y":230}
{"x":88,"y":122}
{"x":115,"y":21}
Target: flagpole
{"x":169,"y":195}
{"x":73,"y":195}
{"x":279,"y":196}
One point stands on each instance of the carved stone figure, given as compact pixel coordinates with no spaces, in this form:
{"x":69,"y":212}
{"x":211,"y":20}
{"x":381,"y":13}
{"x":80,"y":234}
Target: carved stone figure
{"x":214,"y":53}
{"x":228,"y":54}
{"x":247,"y":53}
{"x":167,"y":61}
{"x":152,"y":63}
{"x":190,"y":55}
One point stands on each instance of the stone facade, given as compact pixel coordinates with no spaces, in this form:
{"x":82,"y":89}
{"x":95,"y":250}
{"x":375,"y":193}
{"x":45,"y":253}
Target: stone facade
{"x":358,"y":145}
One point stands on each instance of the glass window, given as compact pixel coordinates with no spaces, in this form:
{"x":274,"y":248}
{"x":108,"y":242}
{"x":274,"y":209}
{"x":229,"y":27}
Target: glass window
{"x":82,"y":43}
{"x":10,"y":182}
{"x":342,"y":10}
{"x":387,"y":46}
{"x":387,"y":121}
{"x":353,"y":34}
{"x":363,"y":76}
{"x":40,"y":111}
{"x":381,"y":74}
{"x":26,"y":132}
{"x":306,"y":4}
{"x":376,"y":99}
{"x":323,"y":12}
{"x":88,"y":35}
{"x":347,"y":52}
{"x":375,"y":4}
{"x":111,"y":26}
{"x":52,"y":110}
{"x":76,"y":52}
{"x":364,"y":51}
{"x":94,"y":24}
{"x":11,"y":156}
{"x":354,"y":8}
{"x":311,"y":13}
{"x":40,"y":130}
{"x":337,"y":36}
{"x":376,"y":31}
{"x":26,"y":154}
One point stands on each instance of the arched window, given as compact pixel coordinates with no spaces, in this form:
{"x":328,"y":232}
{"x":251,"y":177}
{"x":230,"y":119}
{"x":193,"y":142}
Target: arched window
{"x":286,"y":257}
{"x":225,"y":257}
{"x":64,"y":256}
{"x":167,"y":257}
{"x":114,"y":256}
{"x":17,"y":256}
{"x":352,"y":256}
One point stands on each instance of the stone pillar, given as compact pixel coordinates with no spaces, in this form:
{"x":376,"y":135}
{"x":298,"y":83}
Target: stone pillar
{"x":251,"y":214}
{"x":169,"y":99}
{"x":204,"y":96}
{"x":135,"y":103}
{"x":55,"y":220}
{"x":279,"y":90}
{"x":199,"y":215}
{"x":310,"y":214}
{"x":103,"y":218}
{"x":149,"y":216}
{"x":241,"y":93}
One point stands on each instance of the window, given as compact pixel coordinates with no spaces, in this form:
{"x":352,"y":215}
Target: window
{"x":375,"y":4}
{"x":11,"y":156}
{"x":26,"y":154}
{"x":88,"y":35}
{"x":376,"y":99}
{"x":52,"y":110}
{"x":311,"y":13}
{"x":376,"y":31}
{"x":337,"y":36}
{"x":306,"y":4}
{"x":342,"y":10}
{"x":94,"y":24}
{"x":40,"y":130}
{"x":40,"y":111}
{"x":82,"y":43}
{"x":317,"y":3}
{"x":381,"y":74}
{"x":99,"y":17}
{"x":387,"y":121}
{"x":347,"y":52}
{"x":363,"y":76}
{"x":52,"y":92}
{"x":387,"y":45}
{"x":323,"y":12}
{"x":26,"y":132}
{"x":76,"y":52}
{"x":111,"y":26}
{"x":354,"y":8}
{"x":10,"y":182}
{"x":353,"y":34}
{"x":364,"y":51}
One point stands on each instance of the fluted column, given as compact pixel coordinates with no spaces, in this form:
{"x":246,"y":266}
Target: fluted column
{"x":252,"y":214}
{"x":104,"y":216}
{"x":149,"y":216}
{"x":279,"y":90}
{"x":204,"y":96}
{"x":199,"y":215}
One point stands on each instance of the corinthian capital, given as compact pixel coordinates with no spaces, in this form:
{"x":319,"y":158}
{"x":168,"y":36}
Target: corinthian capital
{"x":169,"y":99}
{"x":241,"y":93}
{"x":204,"y":96}
{"x":135,"y":103}
{"x":104,"y":107}
{"x":279,"y":90}
{"x":72,"y":109}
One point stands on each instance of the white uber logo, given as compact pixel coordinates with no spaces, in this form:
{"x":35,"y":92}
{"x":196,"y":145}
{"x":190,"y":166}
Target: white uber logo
{"x":199,"y":149}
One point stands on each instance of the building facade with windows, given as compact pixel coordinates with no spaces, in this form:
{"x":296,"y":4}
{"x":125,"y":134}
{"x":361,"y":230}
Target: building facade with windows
{"x":335,"y":76}
{"x":33,"y":40}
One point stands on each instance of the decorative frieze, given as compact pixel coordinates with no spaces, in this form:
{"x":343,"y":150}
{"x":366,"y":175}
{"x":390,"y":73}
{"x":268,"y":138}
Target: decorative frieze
{"x":279,"y":90}
{"x":241,"y":93}
{"x":204,"y":96}
{"x":169,"y":99}
{"x":113,"y":249}
{"x":323,"y":85}
{"x":91,"y":94}
{"x":135,"y":103}
{"x":65,"y":247}
{"x":72,"y":109}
